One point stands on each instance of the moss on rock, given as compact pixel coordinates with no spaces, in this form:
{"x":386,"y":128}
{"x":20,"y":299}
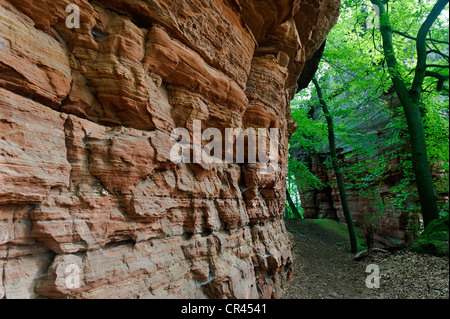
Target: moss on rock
{"x":435,"y":238}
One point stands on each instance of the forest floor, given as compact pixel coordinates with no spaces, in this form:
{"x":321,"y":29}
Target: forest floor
{"x":324,"y":269}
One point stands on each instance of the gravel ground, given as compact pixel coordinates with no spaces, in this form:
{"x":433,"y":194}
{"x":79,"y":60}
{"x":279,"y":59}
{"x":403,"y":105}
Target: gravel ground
{"x":323,"y":270}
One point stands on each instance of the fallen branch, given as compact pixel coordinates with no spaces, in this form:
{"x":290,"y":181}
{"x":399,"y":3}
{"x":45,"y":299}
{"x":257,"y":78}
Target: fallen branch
{"x":368,"y":233}
{"x":364,"y":254}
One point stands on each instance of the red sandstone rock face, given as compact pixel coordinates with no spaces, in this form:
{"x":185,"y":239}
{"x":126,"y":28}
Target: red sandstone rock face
{"x":86,"y":114}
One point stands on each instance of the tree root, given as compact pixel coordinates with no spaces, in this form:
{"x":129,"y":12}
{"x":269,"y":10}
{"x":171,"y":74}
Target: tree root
{"x":368,"y":233}
{"x":366,"y":253}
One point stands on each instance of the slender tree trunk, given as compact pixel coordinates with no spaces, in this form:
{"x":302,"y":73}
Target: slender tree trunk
{"x":410,"y":99}
{"x":420,"y":161}
{"x":337,"y":170}
{"x":292,"y":205}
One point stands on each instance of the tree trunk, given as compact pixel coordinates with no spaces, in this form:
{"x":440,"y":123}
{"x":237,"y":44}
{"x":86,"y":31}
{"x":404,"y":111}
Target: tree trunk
{"x":337,"y":170}
{"x":410,"y":100}
{"x":292,"y":205}
{"x":422,"y":171}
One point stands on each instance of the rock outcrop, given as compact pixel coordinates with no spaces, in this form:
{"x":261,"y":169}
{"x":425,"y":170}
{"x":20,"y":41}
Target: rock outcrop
{"x":91,"y":204}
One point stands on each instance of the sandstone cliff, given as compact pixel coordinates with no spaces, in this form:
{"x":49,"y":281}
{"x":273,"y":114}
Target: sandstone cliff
{"x":87,"y":187}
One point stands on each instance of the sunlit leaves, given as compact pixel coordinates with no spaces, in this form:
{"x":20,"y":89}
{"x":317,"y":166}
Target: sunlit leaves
{"x":354,"y":76}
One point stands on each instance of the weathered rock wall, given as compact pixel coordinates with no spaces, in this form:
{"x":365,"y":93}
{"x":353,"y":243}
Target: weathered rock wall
{"x":87,"y":186}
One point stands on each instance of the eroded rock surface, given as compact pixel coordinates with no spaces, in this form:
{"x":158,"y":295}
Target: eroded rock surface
{"x":87,"y":186}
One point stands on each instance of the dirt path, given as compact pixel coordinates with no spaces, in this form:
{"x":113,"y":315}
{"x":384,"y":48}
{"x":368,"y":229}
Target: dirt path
{"x":324,"y":269}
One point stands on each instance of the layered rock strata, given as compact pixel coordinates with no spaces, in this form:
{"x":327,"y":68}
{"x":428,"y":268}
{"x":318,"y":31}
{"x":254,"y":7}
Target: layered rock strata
{"x":91,"y":204}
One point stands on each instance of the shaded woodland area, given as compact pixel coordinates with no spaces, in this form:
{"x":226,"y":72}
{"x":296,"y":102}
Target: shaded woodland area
{"x":372,"y":148}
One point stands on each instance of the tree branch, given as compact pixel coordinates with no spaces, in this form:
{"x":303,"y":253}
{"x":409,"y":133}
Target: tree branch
{"x":438,"y":41}
{"x":441,"y":79}
{"x":436,"y":75}
{"x":446,"y":57}
{"x":436,"y":66}
{"x":436,"y":49}
{"x":403,"y":34}
{"x":421,"y":47}
{"x":389,"y":52}
{"x":406,"y":35}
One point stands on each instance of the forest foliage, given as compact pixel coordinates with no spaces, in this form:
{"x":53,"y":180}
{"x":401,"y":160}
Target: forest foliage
{"x":358,"y":87}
